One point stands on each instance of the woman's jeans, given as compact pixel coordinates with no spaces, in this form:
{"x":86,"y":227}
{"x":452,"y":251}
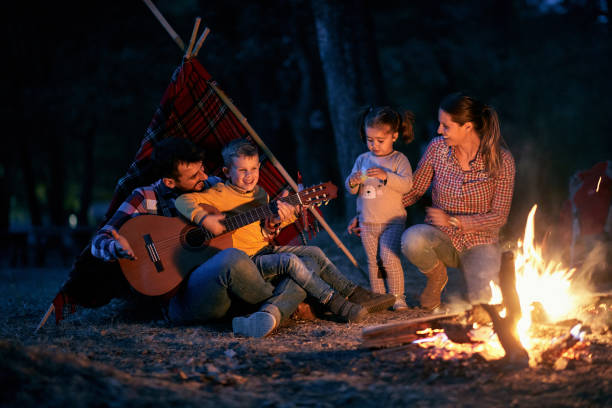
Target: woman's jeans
{"x":424,"y":245}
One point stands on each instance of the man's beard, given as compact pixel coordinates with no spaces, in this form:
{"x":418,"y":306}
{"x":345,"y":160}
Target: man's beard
{"x":198,"y":187}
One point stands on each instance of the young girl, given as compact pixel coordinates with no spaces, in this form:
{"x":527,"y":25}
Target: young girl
{"x":381,"y":176}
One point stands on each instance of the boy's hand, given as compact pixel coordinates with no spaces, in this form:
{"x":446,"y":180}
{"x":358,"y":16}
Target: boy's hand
{"x":285,"y":212}
{"x":377,"y":172}
{"x":355,"y":179}
{"x":124,"y":249}
{"x":212,"y":222}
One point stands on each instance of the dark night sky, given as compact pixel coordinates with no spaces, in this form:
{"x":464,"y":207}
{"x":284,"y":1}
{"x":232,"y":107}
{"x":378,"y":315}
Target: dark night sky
{"x":102,"y":67}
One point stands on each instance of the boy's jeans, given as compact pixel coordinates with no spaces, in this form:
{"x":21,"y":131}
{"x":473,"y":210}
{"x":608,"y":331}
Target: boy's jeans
{"x":423,"y":245}
{"x":311,"y":273}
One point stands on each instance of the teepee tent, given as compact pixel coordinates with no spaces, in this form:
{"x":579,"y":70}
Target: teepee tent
{"x":192,"y":107}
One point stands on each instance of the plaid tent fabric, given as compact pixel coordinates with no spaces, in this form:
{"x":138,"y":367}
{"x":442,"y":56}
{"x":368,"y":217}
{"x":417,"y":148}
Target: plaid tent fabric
{"x":190,"y":108}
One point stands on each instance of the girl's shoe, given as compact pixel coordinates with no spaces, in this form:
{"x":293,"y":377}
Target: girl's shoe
{"x":400,"y":303}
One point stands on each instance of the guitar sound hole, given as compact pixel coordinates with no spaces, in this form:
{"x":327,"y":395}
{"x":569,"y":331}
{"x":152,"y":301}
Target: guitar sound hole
{"x":195,"y":237}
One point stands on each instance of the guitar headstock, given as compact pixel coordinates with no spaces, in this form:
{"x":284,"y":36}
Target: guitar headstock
{"x":319,"y":194}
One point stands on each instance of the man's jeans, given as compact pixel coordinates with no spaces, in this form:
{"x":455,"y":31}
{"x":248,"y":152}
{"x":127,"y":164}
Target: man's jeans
{"x":206,"y":294}
{"x":423,"y":245}
{"x":311,"y":273}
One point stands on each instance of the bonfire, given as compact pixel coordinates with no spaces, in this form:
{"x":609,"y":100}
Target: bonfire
{"x":540,"y":315}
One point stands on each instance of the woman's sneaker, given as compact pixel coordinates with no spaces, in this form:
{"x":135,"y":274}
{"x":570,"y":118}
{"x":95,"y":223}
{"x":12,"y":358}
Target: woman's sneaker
{"x":259,"y":324}
{"x":400,"y":303}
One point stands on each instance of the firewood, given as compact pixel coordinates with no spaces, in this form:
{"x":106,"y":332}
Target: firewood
{"x":390,"y":341}
{"x":516,"y":355}
{"x":391,"y":329}
{"x":556,"y":350}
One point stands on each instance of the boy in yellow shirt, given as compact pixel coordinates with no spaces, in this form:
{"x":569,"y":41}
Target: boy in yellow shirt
{"x":310,"y":270}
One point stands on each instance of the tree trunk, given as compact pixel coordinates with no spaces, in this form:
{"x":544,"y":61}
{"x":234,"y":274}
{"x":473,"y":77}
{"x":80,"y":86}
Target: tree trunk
{"x":352,"y":74}
{"x":303,"y":133}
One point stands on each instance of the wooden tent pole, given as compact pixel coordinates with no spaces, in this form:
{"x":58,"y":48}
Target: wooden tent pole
{"x":164,"y":23}
{"x":45,"y":317}
{"x":282,"y":170}
{"x":194,"y":34}
{"x":201,"y":41}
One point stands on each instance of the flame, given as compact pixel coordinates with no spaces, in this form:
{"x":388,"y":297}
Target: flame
{"x":496,"y":294}
{"x":547,"y":285}
{"x":542,"y":287}
{"x":439,"y":346}
{"x":539,"y":282}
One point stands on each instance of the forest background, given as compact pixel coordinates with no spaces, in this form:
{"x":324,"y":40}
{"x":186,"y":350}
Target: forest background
{"x":84,"y":79}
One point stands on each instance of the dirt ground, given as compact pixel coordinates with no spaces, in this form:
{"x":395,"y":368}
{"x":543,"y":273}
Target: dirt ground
{"x":116,"y":357}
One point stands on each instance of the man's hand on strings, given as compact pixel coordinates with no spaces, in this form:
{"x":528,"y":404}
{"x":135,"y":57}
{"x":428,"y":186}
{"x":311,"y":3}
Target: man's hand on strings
{"x":212,"y":223}
{"x":123,"y":248}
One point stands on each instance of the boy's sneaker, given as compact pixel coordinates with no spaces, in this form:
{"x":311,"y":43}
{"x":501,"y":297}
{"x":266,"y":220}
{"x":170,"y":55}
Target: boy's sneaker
{"x":373,"y":302}
{"x":400,"y":303}
{"x":259,"y":324}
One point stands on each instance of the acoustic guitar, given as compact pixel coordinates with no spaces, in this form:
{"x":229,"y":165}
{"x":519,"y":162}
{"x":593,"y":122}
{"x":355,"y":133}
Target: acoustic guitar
{"x":168,"y":248}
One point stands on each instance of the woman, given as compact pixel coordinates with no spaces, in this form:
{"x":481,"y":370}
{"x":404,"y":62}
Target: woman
{"x":472,"y":181}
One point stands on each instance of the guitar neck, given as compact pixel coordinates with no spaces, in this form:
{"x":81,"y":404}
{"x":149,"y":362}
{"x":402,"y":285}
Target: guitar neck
{"x":250,"y":216}
{"x":256,"y":214}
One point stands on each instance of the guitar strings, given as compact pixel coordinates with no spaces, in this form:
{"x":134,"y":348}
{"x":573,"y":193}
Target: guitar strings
{"x":170,"y":241}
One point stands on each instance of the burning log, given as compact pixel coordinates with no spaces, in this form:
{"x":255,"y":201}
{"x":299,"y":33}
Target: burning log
{"x":395,"y":334}
{"x":505,"y":328}
{"x":568,"y":347}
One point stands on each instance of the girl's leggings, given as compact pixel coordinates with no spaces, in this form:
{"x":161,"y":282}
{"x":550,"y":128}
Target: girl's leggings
{"x":383,"y":241}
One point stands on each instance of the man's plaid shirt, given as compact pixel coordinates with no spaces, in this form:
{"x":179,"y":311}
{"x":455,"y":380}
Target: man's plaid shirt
{"x":480,"y":202}
{"x":143,"y":200}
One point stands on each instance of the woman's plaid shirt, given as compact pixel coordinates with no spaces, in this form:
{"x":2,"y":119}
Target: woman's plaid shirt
{"x":480,"y":202}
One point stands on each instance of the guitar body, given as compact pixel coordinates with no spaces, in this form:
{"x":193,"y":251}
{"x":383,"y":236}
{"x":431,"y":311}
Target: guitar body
{"x":167,"y":249}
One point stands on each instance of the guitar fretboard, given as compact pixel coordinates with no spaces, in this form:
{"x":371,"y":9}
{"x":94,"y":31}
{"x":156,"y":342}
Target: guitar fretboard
{"x":250,"y":216}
